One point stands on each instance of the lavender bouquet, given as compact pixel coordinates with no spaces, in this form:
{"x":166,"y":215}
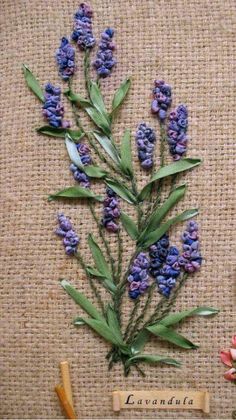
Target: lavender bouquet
{"x":157,"y":269}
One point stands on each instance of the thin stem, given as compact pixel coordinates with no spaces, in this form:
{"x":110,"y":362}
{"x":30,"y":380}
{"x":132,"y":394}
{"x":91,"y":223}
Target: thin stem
{"x":87,"y":70}
{"x":134,"y":310}
{"x":120,"y":254}
{"x":92,"y":285}
{"x":105,"y":242}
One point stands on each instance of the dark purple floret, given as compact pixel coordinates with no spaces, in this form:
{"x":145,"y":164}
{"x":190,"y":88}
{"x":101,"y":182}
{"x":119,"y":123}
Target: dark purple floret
{"x":65,"y":56}
{"x":105,"y":60}
{"x":82,"y":33}
{"x":191,"y":258}
{"x":177,"y":129}
{"x":65,"y":231}
{"x":164,"y":266}
{"x":138,"y":277}
{"x":145,"y":140}
{"x":78,"y":174}
{"x":161,"y":99}
{"x":53,"y":110}
{"x":111,"y":211}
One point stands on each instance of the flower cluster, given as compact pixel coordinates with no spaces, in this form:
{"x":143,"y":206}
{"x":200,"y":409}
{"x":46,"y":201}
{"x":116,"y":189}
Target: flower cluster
{"x":145,"y":139}
{"x":53,"y":110}
{"x":191,"y":258}
{"x":228,"y":357}
{"x":164,"y":265}
{"x":162,"y":99}
{"x":78,"y":174}
{"x":70,"y":238}
{"x":138,"y":277}
{"x":104,"y":60}
{"x":82,"y":32}
{"x":65,"y":56}
{"x":111,"y":211}
{"x":177,"y":128}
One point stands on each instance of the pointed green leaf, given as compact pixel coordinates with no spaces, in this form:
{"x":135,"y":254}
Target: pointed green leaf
{"x":150,"y":358}
{"x":126,"y":154}
{"x":108,"y":284}
{"x":173,"y":319}
{"x":120,"y":94}
{"x":82,"y":301}
{"x":122,"y":191}
{"x":78,"y":99}
{"x":108,"y":146}
{"x":99,"y":258}
{"x":75,"y":192}
{"x":73,"y":152}
{"x":159,"y":214}
{"x":129,"y":225}
{"x":60,"y":132}
{"x":159,"y":232}
{"x":104,"y":331}
{"x":97,"y":99}
{"x":140,"y":341}
{"x":172,"y":336}
{"x":113,"y":322}
{"x":172,"y":169}
{"x":79,"y":321}
{"x":33,"y":83}
{"x":94,"y":171}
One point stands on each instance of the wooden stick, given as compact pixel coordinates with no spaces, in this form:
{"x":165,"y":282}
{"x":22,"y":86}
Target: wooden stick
{"x":65,"y":373}
{"x":64,"y":402}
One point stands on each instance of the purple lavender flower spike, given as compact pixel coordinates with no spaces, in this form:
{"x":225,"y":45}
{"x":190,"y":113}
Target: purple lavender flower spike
{"x":105,"y":60}
{"x":161,"y":99}
{"x":82,"y":33}
{"x":65,"y":56}
{"x":145,"y":139}
{"x":111,"y":211}
{"x":78,"y":174}
{"x":53,"y":110}
{"x":164,"y":266}
{"x":138,"y":277}
{"x":65,"y":231}
{"x":191,"y":258}
{"x":177,"y":129}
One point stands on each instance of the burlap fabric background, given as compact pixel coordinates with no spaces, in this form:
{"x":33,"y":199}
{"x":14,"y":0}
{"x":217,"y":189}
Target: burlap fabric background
{"x":190,"y":44}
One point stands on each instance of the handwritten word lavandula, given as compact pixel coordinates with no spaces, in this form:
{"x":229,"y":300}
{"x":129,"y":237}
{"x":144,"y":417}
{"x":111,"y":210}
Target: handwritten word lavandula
{"x":53,"y":110}
{"x":145,"y":139}
{"x":82,"y":33}
{"x":65,"y":231}
{"x":111,"y":211}
{"x":161,"y":99}
{"x":105,"y":60}
{"x":65,"y":57}
{"x":177,"y":128}
{"x":138,"y":277}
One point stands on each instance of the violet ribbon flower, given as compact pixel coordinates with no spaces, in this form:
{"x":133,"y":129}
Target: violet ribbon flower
{"x":161,"y":99}
{"x":78,"y":174}
{"x":111,"y":211}
{"x":65,"y":231}
{"x":53,"y":110}
{"x":145,"y":140}
{"x":138,"y":277}
{"x":105,"y":60}
{"x":191,"y":258}
{"x":176,"y":134}
{"x":65,"y":57}
{"x":82,"y":33}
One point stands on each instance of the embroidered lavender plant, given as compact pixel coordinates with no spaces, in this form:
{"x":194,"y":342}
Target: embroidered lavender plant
{"x":156,"y":272}
{"x":105,"y":60}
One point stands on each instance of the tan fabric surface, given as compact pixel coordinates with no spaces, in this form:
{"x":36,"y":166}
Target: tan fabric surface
{"x":191,"y":45}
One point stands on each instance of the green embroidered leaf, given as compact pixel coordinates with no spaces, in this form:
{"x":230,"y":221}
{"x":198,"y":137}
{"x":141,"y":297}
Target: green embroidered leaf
{"x":173,"y":319}
{"x":94,"y":272}
{"x":75,"y":192}
{"x":99,"y":258}
{"x":104,"y":331}
{"x":94,"y":171}
{"x":159,"y":214}
{"x":140,"y":341}
{"x":122,"y":191}
{"x":108,"y":284}
{"x":159,"y":232}
{"x":113,"y":322}
{"x":79,"y":321}
{"x":120,"y":94}
{"x":60,"y":132}
{"x":126,"y":155}
{"x":73,"y":152}
{"x":172,"y":169}
{"x":78,"y":99}
{"x":150,"y":358}
{"x":97,"y":99}
{"x":33,"y":83}
{"x":172,"y":336}
{"x":108,"y":146}
{"x":82,"y":301}
{"x":129,"y":225}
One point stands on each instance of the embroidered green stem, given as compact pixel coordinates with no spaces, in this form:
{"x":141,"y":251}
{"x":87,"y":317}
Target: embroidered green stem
{"x":120,"y":254}
{"x":131,"y":318}
{"x":87,"y":69}
{"x":91,"y":283}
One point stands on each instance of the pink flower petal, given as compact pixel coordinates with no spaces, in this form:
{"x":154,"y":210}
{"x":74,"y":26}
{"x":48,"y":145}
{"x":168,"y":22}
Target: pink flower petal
{"x":233,"y":354}
{"x":226,"y":358}
{"x":230,"y":375}
{"x":234,"y":340}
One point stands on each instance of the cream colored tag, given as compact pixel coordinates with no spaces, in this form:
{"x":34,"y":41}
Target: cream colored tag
{"x":167,"y":399}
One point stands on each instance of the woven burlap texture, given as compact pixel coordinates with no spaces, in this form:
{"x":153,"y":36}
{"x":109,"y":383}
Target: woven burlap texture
{"x":191,"y":45}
